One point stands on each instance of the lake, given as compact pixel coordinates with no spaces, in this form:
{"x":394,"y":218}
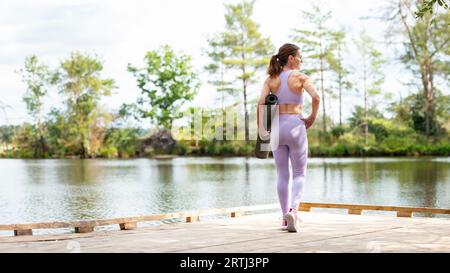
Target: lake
{"x":59,"y":189}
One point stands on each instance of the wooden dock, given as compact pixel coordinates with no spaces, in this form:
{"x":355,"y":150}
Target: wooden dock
{"x":319,"y":232}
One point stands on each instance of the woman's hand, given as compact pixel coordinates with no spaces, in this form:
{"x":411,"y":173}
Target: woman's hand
{"x":263,"y":133}
{"x":309,"y":87}
{"x":309,"y":121}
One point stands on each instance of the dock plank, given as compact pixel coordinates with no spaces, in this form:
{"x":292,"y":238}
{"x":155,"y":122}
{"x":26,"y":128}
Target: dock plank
{"x":319,"y":232}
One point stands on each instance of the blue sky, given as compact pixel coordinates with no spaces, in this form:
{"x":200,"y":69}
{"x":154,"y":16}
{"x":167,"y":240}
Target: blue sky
{"x":121,"y":32}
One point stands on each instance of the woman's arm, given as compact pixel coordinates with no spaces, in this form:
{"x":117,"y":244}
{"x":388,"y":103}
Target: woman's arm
{"x":262,"y":99}
{"x":309,"y":87}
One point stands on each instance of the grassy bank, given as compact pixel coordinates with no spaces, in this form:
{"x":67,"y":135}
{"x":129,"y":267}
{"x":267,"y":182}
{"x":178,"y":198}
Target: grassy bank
{"x":240,"y":148}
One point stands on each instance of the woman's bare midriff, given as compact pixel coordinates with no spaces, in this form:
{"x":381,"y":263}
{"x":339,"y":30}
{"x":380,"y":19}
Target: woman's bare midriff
{"x":290,"y":108}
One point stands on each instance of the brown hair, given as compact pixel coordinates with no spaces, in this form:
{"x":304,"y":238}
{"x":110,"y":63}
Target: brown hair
{"x":281,"y":58}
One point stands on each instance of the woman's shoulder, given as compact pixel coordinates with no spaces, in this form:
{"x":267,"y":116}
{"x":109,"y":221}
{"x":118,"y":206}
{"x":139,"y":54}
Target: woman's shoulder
{"x":272,"y":80}
{"x":299,"y":75}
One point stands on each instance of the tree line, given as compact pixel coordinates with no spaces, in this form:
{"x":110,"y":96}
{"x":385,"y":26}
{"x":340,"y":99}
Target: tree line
{"x":379,"y":125}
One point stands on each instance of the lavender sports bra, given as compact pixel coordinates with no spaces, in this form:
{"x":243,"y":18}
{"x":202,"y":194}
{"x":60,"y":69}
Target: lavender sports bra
{"x":285,"y":94}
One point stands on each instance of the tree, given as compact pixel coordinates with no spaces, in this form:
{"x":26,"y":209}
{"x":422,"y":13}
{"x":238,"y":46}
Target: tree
{"x":217,"y":53}
{"x":124,"y":140}
{"x":317,"y":40}
{"x":24,"y":141}
{"x":166,"y":82}
{"x":356,"y":120}
{"x":81,"y":82}
{"x":409,"y":112}
{"x":38,"y":78}
{"x":101,"y":121}
{"x":427,"y":7}
{"x":337,"y":65}
{"x":6,"y":131}
{"x":426,"y":51}
{"x":245,"y":50}
{"x":61,"y":133}
{"x":6,"y":135}
{"x":371,"y":74}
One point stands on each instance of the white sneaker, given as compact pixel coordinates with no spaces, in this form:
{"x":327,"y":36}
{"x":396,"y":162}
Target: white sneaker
{"x":283,"y":224}
{"x":291,"y":218}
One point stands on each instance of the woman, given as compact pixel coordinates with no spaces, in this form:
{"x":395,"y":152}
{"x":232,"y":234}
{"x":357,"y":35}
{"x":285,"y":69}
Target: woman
{"x":288,"y":84}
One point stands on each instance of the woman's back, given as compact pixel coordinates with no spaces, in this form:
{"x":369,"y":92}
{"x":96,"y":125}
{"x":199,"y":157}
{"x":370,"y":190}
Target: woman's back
{"x":287,"y":88}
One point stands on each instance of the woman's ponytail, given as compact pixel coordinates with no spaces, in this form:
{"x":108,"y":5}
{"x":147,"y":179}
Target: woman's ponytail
{"x":274,"y":66}
{"x":279,"y":60}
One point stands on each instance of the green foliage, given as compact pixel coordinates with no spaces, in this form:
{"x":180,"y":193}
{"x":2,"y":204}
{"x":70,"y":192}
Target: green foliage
{"x":371,"y":76}
{"x":217,"y":52}
{"x":431,"y":45}
{"x":244,"y":47}
{"x":337,"y":131}
{"x":122,"y":142}
{"x":241,"y":50}
{"x":166,"y":82}
{"x":427,"y":7}
{"x":357,"y":118}
{"x":420,"y":125}
{"x":24,"y":141}
{"x":38,"y":78}
{"x":181,"y":149}
{"x":81,"y":83}
{"x":62,"y":134}
{"x":321,"y":46}
{"x":316,"y":39}
{"x":341,"y":73}
{"x":7,"y":133}
{"x":410,"y":112}
{"x":425,"y":54}
{"x":109,"y":152}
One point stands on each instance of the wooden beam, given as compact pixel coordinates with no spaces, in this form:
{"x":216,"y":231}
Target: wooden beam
{"x":118,"y":221}
{"x":355,"y":211}
{"x":404,"y":214}
{"x":85,"y":229}
{"x":73,"y":224}
{"x":128,"y":226}
{"x":23,"y":232}
{"x":302,"y":207}
{"x":375,"y":207}
{"x":192,"y":218}
{"x":235,"y":214}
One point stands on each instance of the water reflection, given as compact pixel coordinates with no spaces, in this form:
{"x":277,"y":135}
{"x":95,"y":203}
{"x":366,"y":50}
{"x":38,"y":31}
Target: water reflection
{"x":54,"y":190}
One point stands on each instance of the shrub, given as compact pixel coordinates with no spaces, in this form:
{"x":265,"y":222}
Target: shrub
{"x":108,"y":152}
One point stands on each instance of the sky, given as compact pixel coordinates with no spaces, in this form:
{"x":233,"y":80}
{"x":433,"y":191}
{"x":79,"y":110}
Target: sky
{"x":121,"y":32}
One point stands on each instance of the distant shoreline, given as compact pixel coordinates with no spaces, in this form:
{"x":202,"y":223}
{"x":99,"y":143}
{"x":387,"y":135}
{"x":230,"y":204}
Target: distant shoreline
{"x":216,"y":156}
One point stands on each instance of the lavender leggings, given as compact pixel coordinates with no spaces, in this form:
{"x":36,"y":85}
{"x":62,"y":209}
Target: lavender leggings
{"x":292,"y":144}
